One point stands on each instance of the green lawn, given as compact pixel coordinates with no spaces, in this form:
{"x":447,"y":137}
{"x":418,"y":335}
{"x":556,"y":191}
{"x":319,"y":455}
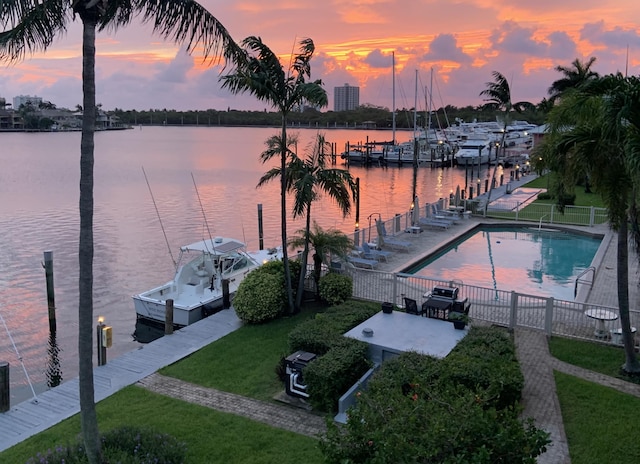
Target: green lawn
{"x":211,"y":436}
{"x":598,"y":420}
{"x":601,"y":423}
{"x":244,"y":361}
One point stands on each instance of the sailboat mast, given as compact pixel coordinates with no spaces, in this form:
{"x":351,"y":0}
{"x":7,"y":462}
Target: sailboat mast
{"x":393,"y":97}
{"x":415,"y":109}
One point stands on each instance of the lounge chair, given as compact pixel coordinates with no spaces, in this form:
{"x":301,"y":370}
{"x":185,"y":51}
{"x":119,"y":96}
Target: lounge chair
{"x":371,"y":253}
{"x":362,"y":262}
{"x":437,"y":213}
{"x":392,"y":242}
{"x":434,"y":223}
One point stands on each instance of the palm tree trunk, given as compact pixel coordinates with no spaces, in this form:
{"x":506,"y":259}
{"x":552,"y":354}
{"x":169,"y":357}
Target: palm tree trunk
{"x":305,"y":254}
{"x":88,"y":416}
{"x":283,"y":215}
{"x":631,"y":364}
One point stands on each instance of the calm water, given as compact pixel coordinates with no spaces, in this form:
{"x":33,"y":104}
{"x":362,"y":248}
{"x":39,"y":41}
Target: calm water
{"x":530,"y":261}
{"x":39,"y":176}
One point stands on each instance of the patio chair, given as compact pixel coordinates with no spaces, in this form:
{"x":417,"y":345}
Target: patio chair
{"x":411,"y":306}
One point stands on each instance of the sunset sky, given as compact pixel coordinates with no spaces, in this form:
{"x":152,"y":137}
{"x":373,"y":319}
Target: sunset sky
{"x":463,"y":41}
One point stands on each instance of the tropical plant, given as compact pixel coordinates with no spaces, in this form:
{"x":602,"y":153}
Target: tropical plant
{"x":31,"y":26}
{"x":498,"y":98}
{"x":304,"y":178}
{"x":596,"y":129}
{"x":260,"y":73}
{"x":335,"y":288}
{"x":259,"y":297}
{"x":573,"y":77}
{"x":325,"y":243}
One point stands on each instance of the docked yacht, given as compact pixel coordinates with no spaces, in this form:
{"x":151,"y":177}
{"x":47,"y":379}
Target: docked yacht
{"x":473,"y":151}
{"x":196,"y":289}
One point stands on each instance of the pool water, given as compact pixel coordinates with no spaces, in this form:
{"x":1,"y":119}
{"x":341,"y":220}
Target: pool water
{"x":536,"y":262}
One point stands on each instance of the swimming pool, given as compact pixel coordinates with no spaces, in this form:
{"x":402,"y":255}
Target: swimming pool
{"x":527,"y":260}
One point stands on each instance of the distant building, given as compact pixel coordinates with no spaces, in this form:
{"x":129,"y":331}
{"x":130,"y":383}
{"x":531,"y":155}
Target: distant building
{"x":346,"y":98}
{"x":24,"y":99}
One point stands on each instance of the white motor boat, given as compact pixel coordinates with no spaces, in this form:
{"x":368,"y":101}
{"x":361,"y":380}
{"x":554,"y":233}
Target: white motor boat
{"x":473,"y":152}
{"x":196,"y":289}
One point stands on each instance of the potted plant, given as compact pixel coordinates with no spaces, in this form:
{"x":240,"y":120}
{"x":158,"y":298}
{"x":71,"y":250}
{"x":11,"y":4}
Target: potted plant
{"x":459,"y":319}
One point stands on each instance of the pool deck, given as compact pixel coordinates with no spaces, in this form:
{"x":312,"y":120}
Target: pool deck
{"x":539,"y":399}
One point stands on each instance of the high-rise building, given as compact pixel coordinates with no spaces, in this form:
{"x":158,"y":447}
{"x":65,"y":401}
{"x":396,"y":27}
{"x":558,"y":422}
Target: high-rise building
{"x":26,"y":99}
{"x":346,"y":98}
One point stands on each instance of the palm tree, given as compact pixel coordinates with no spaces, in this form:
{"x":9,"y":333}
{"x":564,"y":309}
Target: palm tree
{"x":31,"y":26}
{"x":305,"y":178}
{"x":498,"y":98}
{"x":597,"y":127}
{"x":573,"y":77}
{"x":259,"y":72}
{"x":325,"y":243}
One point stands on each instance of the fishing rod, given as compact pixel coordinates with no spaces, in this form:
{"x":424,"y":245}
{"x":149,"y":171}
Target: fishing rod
{"x":35,"y":397}
{"x":206,"y":223}
{"x":175,"y":264}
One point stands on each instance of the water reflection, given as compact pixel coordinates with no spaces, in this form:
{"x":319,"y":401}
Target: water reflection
{"x":146,"y":331}
{"x":54,"y":372}
{"x":40,"y":212}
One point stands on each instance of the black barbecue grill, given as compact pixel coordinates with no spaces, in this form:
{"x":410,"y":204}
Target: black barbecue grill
{"x":294,"y":364}
{"x":442,"y":300}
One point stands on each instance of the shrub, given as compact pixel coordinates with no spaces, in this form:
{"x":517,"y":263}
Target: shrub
{"x":125,"y":445}
{"x":486,"y":363}
{"x":335,"y":288}
{"x":331,"y":375}
{"x":414,"y":410}
{"x":260,"y":296}
{"x":320,"y":334}
{"x":544,"y":196}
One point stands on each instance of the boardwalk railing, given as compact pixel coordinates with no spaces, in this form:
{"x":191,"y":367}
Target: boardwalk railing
{"x":493,"y":306}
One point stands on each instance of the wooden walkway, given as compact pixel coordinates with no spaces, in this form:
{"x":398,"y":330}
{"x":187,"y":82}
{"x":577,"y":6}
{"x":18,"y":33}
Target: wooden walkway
{"x":53,"y":406}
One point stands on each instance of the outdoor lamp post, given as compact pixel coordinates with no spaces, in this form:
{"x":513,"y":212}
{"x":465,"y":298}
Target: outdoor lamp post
{"x":517,"y":171}
{"x":103,"y":339}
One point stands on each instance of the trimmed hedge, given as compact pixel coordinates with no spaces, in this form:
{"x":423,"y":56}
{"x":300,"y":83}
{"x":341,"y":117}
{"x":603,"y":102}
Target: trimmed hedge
{"x":341,"y":361}
{"x":416,"y":410}
{"x":329,"y":376}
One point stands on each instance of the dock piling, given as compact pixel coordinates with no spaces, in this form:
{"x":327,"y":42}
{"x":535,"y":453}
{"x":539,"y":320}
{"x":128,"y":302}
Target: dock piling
{"x":5,"y":397}
{"x":168,"y":317}
{"x":51,"y":299}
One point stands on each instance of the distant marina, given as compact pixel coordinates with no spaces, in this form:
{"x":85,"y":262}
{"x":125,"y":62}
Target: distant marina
{"x":40,"y":184}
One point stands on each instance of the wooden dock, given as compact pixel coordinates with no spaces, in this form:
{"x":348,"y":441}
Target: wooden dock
{"x":53,"y":406}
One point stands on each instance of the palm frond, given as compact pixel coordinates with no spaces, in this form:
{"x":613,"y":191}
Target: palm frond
{"x":185,"y":22}
{"x":31,"y":26}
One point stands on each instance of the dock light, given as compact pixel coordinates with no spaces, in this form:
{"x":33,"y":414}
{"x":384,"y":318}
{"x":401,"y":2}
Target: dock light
{"x":104,"y":339}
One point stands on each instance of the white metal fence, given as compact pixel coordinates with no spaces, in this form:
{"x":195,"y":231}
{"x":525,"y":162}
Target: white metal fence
{"x":504,"y":308}
{"x":538,"y":213}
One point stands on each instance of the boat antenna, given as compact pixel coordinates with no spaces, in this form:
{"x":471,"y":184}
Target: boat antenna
{"x":206,"y":223}
{"x":159,"y":218}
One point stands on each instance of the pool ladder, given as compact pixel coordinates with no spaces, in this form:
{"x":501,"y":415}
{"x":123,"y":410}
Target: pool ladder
{"x":579,"y":280}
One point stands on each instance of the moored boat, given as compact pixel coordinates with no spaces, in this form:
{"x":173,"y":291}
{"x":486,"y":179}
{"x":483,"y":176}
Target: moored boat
{"x":197,"y":287}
